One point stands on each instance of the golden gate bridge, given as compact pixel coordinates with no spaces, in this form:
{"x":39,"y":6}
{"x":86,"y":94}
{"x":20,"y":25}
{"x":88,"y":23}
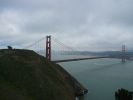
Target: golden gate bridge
{"x":47,"y":51}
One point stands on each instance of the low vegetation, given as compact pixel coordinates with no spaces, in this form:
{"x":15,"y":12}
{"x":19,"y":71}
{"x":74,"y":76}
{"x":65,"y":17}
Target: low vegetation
{"x":25,"y":75}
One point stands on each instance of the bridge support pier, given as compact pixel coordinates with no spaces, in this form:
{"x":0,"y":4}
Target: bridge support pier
{"x":48,"y":48}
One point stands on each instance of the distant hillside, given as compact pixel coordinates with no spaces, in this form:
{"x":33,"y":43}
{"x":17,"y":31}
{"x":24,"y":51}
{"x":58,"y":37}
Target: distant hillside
{"x":25,"y":75}
{"x":91,"y":53}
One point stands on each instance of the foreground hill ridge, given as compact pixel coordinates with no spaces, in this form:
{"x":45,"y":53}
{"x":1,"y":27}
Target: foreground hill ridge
{"x":25,"y":75}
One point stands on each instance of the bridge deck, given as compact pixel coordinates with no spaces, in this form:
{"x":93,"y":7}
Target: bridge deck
{"x":77,"y":59}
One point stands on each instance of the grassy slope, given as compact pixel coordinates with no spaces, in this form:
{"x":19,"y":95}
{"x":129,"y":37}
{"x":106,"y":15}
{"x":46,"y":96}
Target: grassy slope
{"x":24,"y":75}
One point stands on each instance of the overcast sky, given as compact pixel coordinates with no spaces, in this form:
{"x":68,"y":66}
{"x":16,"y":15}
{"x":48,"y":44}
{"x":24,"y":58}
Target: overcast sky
{"x":88,"y":24}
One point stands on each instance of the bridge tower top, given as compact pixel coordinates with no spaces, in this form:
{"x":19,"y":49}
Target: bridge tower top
{"x":48,"y":48}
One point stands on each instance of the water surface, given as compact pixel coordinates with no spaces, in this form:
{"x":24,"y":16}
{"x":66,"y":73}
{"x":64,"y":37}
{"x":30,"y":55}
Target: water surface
{"x":102,"y":77}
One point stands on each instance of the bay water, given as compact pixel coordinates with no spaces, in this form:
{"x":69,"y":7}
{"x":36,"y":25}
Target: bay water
{"x":102,"y":77}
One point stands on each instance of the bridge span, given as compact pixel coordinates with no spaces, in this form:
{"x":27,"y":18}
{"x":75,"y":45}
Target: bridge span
{"x":48,"y":52}
{"x":89,"y":58}
{"x":77,"y":59}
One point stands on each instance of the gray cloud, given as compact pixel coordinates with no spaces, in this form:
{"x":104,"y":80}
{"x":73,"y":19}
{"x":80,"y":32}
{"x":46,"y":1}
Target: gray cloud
{"x":86,"y":24}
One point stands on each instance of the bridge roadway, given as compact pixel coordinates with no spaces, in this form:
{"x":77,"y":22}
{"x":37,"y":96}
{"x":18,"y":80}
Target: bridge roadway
{"x":77,"y":59}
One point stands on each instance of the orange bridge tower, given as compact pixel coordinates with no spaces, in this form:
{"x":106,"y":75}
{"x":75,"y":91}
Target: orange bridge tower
{"x":48,"y":48}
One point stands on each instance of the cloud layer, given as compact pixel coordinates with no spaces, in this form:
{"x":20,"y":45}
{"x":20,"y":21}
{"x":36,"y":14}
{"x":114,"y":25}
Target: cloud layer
{"x":87,"y":24}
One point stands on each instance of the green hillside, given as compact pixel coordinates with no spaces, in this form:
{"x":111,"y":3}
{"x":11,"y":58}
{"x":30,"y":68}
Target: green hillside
{"x":25,"y":75}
